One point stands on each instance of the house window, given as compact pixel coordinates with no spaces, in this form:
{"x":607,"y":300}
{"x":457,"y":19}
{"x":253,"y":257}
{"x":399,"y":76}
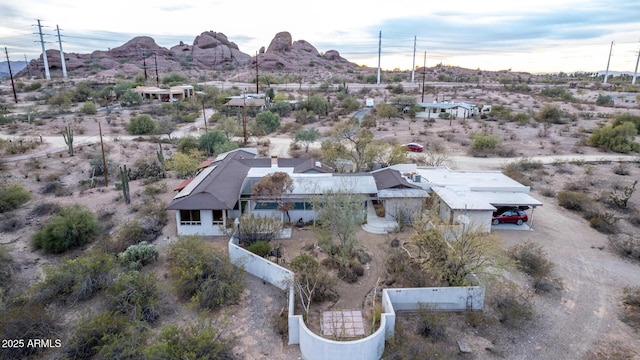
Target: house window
{"x":190,"y":217}
{"x":218,"y":217}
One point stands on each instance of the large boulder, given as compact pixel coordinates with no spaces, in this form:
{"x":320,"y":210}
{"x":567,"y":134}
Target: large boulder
{"x":281,"y":43}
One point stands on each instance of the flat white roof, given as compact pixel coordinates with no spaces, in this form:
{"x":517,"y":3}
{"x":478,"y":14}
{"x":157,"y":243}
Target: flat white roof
{"x":460,"y":198}
{"x":474,"y":180}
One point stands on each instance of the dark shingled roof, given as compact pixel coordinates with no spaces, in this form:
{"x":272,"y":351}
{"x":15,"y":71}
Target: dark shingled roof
{"x":388,"y":178}
{"x":220,"y":190}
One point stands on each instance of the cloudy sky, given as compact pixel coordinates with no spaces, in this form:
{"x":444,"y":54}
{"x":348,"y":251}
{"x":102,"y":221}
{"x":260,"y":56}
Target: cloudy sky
{"x":522,"y":35}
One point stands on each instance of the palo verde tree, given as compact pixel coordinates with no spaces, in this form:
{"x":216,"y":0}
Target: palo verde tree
{"x":454,"y":258}
{"x":340,"y":214}
{"x":274,"y":187}
{"x":351,"y":141}
{"x":306,"y":137}
{"x":311,"y":282}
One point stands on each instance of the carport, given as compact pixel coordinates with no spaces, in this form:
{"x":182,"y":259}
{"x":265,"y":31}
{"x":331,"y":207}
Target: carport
{"x":515,"y":200}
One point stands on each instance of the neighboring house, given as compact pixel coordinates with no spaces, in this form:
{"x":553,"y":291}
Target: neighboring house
{"x":180,"y":92}
{"x":221,"y":192}
{"x":456,"y":110}
{"x":248,"y":100}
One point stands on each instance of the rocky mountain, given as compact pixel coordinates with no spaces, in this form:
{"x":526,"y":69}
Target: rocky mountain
{"x":16,"y":66}
{"x":209,"y":51}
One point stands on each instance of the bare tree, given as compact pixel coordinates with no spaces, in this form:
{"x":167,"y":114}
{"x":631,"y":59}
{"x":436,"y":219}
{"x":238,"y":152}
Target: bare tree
{"x":341,"y":213}
{"x":273,"y":187}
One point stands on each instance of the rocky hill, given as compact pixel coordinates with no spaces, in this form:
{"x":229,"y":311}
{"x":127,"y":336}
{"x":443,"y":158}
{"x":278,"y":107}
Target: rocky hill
{"x":210,"y":51}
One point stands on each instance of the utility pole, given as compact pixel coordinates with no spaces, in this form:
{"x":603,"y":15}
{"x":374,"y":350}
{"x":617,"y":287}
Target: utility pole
{"x":413,"y":67}
{"x":64,"y":65}
{"x":379,"y":54}
{"x":155,"y":57}
{"x":13,"y":86}
{"x":244,"y":117}
{"x":104,"y":160}
{"x":635,"y":73}
{"x":424,"y":71}
{"x":44,"y":53}
{"x":257,"y":90}
{"x":606,"y":76}
{"x":144,"y":66}
{"x":27,"y":63}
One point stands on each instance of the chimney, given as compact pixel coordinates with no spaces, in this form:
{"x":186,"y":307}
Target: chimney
{"x":274,"y":161}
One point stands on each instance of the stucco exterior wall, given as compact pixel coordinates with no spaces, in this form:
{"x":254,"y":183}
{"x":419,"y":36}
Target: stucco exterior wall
{"x":206,"y":227}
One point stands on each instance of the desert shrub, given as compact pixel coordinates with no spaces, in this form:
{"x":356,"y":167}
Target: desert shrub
{"x":485,"y":144}
{"x":6,"y":267}
{"x":205,"y":340}
{"x":146,"y":227}
{"x":622,"y":169}
{"x":308,"y":271}
{"x":44,"y":209}
{"x":146,"y":168}
{"x":404,"y":272}
{"x":547,"y":192}
{"x":215,"y":142}
{"x":11,"y":223}
{"x":626,"y":245}
{"x":203,"y":275}
{"x":619,"y":138}
{"x":12,"y":196}
{"x":74,"y":226}
{"x":432,"y":324}
{"x":260,"y":248}
{"x":187,"y":144}
{"x":574,"y":200}
{"x":27,"y":321}
{"x":91,"y":333}
{"x":56,"y":188}
{"x":604,"y":100}
{"x":549,"y":113}
{"x":142,"y":125}
{"x":532,"y":260}
{"x":631,"y":306}
{"x":135,"y":295}
{"x":635,"y":119}
{"x":257,"y":228}
{"x":88,"y":108}
{"x":136,"y":256}
{"x":266,"y":123}
{"x":603,"y":222}
{"x":185,"y":165}
{"x":76,"y":279}
{"x":513,"y":306}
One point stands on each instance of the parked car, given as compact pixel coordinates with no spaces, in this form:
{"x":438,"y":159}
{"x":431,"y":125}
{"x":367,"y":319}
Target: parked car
{"x":510,"y":215}
{"x":413,"y":147}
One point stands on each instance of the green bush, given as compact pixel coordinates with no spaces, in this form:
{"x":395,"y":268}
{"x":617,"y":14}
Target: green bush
{"x":142,"y":125}
{"x":92,"y":333}
{"x":13,"y":196}
{"x":513,"y":306}
{"x":76,"y":279}
{"x":74,"y":226}
{"x":215,"y":142}
{"x":574,"y":200}
{"x":260,"y":248}
{"x":135,"y":295}
{"x":266,"y":123}
{"x":136,"y":256}
{"x":604,"y":100}
{"x":88,"y":108}
{"x":549,"y":113}
{"x":203,"y":275}
{"x":187,"y":144}
{"x":204,"y":340}
{"x":635,"y":119}
{"x":484,"y":143}
{"x":618,"y":138}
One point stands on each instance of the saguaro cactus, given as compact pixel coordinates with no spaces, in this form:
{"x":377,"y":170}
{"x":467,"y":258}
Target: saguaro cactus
{"x":160,"y":155}
{"x":67,"y":134}
{"x":124,"y":178}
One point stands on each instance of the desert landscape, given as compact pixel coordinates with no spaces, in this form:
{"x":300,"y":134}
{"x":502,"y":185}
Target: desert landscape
{"x":540,"y":132}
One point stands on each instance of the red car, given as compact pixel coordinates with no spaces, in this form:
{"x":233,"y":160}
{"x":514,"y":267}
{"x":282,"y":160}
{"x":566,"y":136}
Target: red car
{"x":514,"y":216}
{"x":413,"y":147}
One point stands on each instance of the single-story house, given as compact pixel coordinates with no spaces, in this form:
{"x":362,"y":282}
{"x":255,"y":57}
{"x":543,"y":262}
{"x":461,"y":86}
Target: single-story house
{"x":250,"y":100}
{"x":221,"y":192}
{"x":456,"y":110}
{"x":180,"y":92}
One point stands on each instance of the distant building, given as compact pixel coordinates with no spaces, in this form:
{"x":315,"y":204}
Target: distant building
{"x":456,"y":110}
{"x":174,"y":93}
